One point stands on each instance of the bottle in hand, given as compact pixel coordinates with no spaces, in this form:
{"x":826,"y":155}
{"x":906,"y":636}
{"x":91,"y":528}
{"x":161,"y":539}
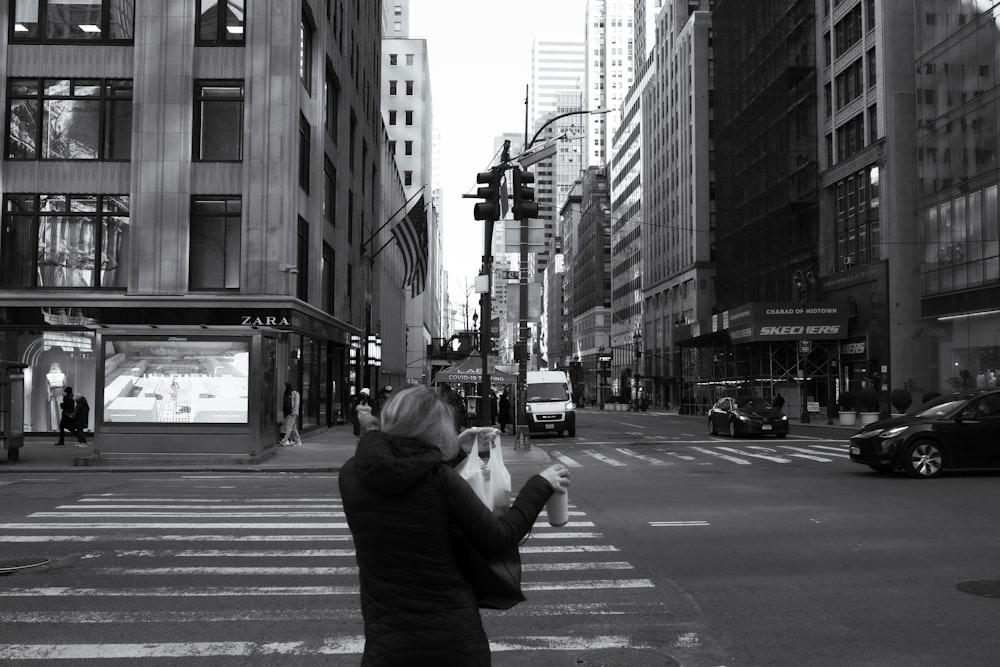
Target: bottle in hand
{"x":557,"y":509}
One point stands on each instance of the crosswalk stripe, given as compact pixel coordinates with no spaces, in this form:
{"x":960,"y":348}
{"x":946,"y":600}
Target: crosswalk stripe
{"x":186,"y":515}
{"x":766,"y":457}
{"x":837,"y":451}
{"x":606,"y":459}
{"x":806,"y":454}
{"x":641,"y":457}
{"x":733,"y":459}
{"x":228,"y":537}
{"x":566,"y":461}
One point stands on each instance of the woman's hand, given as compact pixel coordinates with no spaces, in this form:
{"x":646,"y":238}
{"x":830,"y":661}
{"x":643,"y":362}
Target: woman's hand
{"x":487,"y":434}
{"x":558,"y":477}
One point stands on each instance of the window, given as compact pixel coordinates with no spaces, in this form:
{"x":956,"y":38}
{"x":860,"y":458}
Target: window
{"x":218,"y":122}
{"x":409,"y":87}
{"x":409,"y":147}
{"x":393,"y":59}
{"x":329,"y":277}
{"x":58,"y":240}
{"x":392,"y":118}
{"x":409,"y":118}
{"x":409,"y":59}
{"x":392,"y":147}
{"x":302,"y":261}
{"x":72,"y":21}
{"x":392,"y":87}
{"x":353,"y":139}
{"x":306,"y":31}
{"x":216,"y":222}
{"x":407,"y":177}
{"x":332,"y":95}
{"x":69,"y":119}
{"x":304,"y":150}
{"x":220,"y":23}
{"x":329,"y":190}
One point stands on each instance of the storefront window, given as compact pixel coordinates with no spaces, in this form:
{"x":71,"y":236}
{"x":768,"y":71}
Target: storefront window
{"x":175,"y":380}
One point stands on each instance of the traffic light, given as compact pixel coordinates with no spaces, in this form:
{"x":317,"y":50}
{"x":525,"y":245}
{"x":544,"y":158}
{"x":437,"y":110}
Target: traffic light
{"x":489,"y":209}
{"x":525,"y":206}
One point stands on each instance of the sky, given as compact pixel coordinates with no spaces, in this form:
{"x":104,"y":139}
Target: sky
{"x":480,"y":65}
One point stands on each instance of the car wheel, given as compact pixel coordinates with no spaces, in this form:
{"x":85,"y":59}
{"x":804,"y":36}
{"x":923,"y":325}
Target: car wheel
{"x":572,"y":432}
{"x":923,"y":460}
{"x":880,"y":468}
{"x":712,"y":430}
{"x":732,"y":429}
{"x":781,"y":435}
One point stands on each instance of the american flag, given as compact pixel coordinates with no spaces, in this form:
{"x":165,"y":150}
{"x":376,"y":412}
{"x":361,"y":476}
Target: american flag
{"x":411,"y":233}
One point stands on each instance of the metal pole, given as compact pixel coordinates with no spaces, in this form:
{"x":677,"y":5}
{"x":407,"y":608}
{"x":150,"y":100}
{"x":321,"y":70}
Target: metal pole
{"x":486,"y":325}
{"x":523,"y":438}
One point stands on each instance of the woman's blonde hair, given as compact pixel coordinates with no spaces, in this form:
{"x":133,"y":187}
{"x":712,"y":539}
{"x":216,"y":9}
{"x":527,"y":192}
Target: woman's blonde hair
{"x":418,"y":412}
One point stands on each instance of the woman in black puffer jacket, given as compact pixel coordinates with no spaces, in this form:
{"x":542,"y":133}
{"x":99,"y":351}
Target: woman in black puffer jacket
{"x":402,"y":499}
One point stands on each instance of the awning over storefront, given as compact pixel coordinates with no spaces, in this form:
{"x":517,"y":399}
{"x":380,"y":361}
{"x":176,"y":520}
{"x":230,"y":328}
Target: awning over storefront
{"x":470,"y":370}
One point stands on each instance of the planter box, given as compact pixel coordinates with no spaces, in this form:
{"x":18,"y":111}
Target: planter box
{"x":868,"y":417}
{"x":848,"y":418}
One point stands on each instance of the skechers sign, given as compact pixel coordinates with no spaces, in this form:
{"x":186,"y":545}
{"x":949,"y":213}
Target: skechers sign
{"x":782,"y":321}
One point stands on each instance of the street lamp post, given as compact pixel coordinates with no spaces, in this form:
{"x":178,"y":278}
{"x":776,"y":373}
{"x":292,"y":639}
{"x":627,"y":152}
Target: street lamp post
{"x":637,"y":375}
{"x":522,"y":438}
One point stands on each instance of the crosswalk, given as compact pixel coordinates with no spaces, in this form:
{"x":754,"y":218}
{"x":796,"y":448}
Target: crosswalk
{"x":143,"y":578}
{"x":709,"y":452}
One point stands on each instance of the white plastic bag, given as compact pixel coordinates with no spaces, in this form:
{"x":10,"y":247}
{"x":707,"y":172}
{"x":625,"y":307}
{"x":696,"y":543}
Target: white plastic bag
{"x":499,"y":478}
{"x":471,"y":470}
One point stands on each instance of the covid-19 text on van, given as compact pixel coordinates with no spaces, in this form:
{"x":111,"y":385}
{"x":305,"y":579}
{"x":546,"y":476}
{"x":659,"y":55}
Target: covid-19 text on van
{"x":549,"y":403}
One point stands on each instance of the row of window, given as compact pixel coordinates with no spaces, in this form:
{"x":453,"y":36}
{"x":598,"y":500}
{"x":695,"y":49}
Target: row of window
{"x":82,"y":241}
{"x":219,"y":23}
{"x":91,"y":119}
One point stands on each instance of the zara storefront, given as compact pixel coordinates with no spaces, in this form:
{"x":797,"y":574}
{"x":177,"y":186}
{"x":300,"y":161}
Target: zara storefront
{"x":198,"y":379}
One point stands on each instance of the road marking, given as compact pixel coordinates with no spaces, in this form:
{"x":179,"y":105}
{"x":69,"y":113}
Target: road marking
{"x":174,"y":538}
{"x":110,"y":525}
{"x":733,"y":459}
{"x":776,"y":459}
{"x":584,"y":585}
{"x":606,"y":459}
{"x":642,"y":457}
{"x":836,"y":451}
{"x":185,"y":515}
{"x":327,"y":646}
{"x":807,"y":454}
{"x":568,"y":567}
{"x":566,"y":461}
{"x":592,"y":548}
{"x":632,"y":425}
{"x":228,"y":571}
{"x":164,"y":506}
{"x":110,"y":497}
{"x":677,"y":524}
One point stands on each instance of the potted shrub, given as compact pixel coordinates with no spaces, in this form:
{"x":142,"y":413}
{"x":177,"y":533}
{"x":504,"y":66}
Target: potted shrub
{"x":901,"y":400}
{"x":846,"y":404}
{"x":868,"y":406}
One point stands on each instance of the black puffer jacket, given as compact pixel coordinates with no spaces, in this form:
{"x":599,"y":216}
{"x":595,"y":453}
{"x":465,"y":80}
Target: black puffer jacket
{"x":417,"y":606}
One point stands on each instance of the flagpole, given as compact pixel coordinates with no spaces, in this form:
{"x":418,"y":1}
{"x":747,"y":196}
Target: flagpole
{"x":391,"y":217}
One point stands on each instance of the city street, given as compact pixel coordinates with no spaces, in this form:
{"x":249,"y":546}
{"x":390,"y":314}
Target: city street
{"x":682,"y":548}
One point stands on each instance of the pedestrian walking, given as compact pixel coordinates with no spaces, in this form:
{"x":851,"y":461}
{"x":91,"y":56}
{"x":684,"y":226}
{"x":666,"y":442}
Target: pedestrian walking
{"x":403,"y":501}
{"x":380,"y":400}
{"x":67,"y":416}
{"x":81,"y":419}
{"x":503,"y":416}
{"x":779,"y":401}
{"x":290,"y":409}
{"x":363,"y":414}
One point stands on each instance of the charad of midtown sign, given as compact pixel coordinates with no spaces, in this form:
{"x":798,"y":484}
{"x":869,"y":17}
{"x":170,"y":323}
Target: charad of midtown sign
{"x":754,"y":322}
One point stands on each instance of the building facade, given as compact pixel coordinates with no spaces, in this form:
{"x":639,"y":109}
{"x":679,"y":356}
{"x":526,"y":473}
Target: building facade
{"x":186,"y":188}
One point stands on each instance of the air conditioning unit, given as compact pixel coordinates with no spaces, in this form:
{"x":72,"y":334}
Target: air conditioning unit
{"x":848,"y":262}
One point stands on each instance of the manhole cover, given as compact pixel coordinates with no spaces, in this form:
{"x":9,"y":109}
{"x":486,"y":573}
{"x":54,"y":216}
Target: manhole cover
{"x":8,"y":565}
{"x":987,"y":588}
{"x":626,"y":657}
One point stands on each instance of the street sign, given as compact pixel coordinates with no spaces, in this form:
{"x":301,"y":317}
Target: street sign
{"x":805,"y":346}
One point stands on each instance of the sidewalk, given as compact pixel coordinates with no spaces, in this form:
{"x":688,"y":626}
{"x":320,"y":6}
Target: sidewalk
{"x":322,"y":450}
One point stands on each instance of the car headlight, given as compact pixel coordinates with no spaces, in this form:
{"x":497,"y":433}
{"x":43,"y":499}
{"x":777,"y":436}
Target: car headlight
{"x":744,"y":418}
{"x":570,"y":405}
{"x":527,"y":408}
{"x":783,"y":418}
{"x":892,"y":432}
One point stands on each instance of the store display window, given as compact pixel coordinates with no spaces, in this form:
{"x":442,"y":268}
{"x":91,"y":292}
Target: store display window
{"x":176,"y":380}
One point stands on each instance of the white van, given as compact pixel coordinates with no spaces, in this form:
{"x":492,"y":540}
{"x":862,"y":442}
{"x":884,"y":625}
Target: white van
{"x":549,"y":403}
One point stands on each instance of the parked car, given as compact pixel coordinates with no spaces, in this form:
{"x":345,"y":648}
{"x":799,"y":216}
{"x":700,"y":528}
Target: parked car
{"x":744,"y":415}
{"x":956,"y":430}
